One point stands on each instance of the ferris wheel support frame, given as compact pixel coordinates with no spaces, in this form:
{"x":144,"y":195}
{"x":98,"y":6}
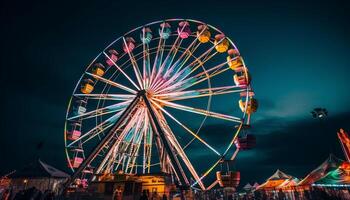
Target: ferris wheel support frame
{"x":104,"y":141}
{"x":160,"y":133}
{"x":175,"y":164}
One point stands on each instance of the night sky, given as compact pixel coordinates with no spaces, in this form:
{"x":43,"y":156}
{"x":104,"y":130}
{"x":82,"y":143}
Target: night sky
{"x":297,"y":52}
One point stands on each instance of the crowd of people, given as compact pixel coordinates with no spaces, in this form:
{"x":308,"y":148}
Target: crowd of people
{"x":154,"y":196}
{"x":312,"y":194}
{"x":30,"y":193}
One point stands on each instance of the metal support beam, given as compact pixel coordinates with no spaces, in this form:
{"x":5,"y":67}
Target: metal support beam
{"x":160,"y":133}
{"x":105,"y":140}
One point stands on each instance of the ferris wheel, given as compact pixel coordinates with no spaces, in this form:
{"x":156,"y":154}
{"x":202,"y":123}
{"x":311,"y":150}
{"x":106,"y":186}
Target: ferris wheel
{"x":154,"y":101}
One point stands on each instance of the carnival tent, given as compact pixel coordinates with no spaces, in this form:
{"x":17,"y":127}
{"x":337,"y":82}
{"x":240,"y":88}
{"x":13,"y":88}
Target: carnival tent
{"x":289,"y":184}
{"x":256,"y":185}
{"x":39,"y":169}
{"x":39,"y":175}
{"x":328,"y":165}
{"x":247,"y":187}
{"x":275,"y":180}
{"x":339,"y":177}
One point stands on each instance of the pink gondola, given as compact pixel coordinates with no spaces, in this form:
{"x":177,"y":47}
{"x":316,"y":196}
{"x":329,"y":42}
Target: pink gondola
{"x":246,"y":143}
{"x":76,"y":162}
{"x":242,"y":80}
{"x":244,"y":94}
{"x":73,"y":135}
{"x":129,"y":45}
{"x":184,"y":30}
{"x":113,"y":55}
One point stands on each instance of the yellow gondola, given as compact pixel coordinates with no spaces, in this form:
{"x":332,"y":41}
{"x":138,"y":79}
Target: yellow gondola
{"x":234,"y":64}
{"x":252,"y":106}
{"x":221,"y":43}
{"x":234,"y":61}
{"x":99,"y":69}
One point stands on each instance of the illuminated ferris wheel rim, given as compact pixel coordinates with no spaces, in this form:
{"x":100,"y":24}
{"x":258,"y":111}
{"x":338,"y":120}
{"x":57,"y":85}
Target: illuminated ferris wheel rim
{"x":139,"y":89}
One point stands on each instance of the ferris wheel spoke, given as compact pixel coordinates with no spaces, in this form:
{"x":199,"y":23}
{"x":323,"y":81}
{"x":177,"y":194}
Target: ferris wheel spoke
{"x":120,"y":69}
{"x":174,"y":73}
{"x":101,"y":111}
{"x":199,"y":111}
{"x":149,"y":72}
{"x":135,"y":153}
{"x":186,"y":128}
{"x":188,"y":52}
{"x":141,"y":134}
{"x":182,"y":63}
{"x":113,"y":97}
{"x":213,"y":71}
{"x":134,"y":65}
{"x":100,"y":128}
{"x":148,"y":63}
{"x":185,"y":72}
{"x":149,"y":147}
{"x":178,"y":64}
{"x":207,"y":77}
{"x":107,"y":162}
{"x":96,"y":130}
{"x":224,"y":154}
{"x":121,"y":157}
{"x":145,"y":51}
{"x":192,"y":81}
{"x":112,"y":83}
{"x":165,"y":62}
{"x":206,"y":57}
{"x":136,"y":140}
{"x":145,"y":70}
{"x":206,"y":173}
{"x":161,"y":44}
{"x":129,"y":135}
{"x":171,"y":137}
{"x":146,"y":143}
{"x":128,"y":130}
{"x":189,"y":94}
{"x":170,"y":68}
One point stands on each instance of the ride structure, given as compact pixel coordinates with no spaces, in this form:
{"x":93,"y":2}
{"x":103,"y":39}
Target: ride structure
{"x":345,"y":143}
{"x":147,"y":102}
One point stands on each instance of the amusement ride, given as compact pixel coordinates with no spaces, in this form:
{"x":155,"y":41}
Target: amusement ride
{"x":150,"y":102}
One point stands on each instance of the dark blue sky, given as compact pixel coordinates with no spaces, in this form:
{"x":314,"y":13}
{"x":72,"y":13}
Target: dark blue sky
{"x":297,"y":52}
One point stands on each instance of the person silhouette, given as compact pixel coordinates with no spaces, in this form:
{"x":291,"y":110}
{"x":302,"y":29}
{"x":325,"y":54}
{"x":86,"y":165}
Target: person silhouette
{"x":144,"y":195}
